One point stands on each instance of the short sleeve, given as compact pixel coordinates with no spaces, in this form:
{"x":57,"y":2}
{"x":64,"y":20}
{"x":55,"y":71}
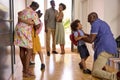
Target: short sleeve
{"x":95,"y":28}
{"x":76,"y":34}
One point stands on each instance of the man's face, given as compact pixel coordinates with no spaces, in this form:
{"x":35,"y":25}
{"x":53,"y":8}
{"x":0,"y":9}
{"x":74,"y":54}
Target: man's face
{"x":89,"y":18}
{"x":53,"y":4}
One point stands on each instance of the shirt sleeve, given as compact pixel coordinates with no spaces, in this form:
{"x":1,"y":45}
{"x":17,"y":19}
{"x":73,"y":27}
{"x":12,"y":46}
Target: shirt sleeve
{"x":76,"y":34}
{"x":46,"y":15}
{"x":94,"y":28}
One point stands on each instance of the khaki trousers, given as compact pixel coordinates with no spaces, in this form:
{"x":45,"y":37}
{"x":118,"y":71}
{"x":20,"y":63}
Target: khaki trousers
{"x":99,"y":64}
{"x":48,"y":40}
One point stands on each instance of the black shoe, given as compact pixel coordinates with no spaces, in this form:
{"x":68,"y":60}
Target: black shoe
{"x":87,"y":71}
{"x":118,"y":75}
{"x":80,"y":65}
{"x":42,"y":66}
{"x":48,"y":53}
{"x":54,"y":52}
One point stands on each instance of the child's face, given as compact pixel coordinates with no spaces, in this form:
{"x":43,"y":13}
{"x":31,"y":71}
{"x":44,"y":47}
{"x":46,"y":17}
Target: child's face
{"x":79,"y":26}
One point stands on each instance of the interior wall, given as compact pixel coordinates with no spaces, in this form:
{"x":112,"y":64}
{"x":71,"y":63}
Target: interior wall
{"x":29,"y":2}
{"x":80,"y":12}
{"x":84,"y":12}
{"x":112,"y":15}
{"x":18,"y":6}
{"x":76,"y":11}
{"x":97,"y":6}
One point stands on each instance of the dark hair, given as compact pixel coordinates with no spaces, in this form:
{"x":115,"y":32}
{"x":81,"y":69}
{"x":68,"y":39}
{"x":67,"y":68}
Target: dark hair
{"x":52,"y":1}
{"x":34,"y":4}
{"x":93,"y":15}
{"x":39,"y":13}
{"x":74,"y":25}
{"x":63,"y":5}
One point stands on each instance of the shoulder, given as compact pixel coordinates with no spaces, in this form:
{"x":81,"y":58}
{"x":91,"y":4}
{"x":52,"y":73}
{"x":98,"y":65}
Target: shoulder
{"x":49,"y":9}
{"x":56,"y":10}
{"x":96,"y":23}
{"x":75,"y":33}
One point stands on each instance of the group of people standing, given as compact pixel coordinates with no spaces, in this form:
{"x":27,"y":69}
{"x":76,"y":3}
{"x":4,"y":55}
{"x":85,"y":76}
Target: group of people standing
{"x":27,"y":30}
{"x":54,"y":26}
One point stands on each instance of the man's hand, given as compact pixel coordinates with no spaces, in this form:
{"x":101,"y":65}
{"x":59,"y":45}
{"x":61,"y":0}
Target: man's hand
{"x":84,"y":36}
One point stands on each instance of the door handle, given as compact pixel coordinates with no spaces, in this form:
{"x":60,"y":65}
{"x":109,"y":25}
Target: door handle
{"x":10,"y":20}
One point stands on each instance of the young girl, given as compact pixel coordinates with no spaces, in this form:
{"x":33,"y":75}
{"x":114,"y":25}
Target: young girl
{"x":36,"y":42}
{"x":35,"y":37}
{"x":82,"y":49}
{"x":60,"y":33}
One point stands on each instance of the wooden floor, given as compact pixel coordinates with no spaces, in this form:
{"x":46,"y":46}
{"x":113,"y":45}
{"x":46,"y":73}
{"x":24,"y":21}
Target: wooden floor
{"x":58,"y":67}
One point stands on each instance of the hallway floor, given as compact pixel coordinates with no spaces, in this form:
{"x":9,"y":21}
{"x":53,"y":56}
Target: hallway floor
{"x":58,"y":67}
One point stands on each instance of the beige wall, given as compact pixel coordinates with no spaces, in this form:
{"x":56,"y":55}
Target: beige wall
{"x":29,"y":2}
{"x":18,"y":6}
{"x":112,"y":15}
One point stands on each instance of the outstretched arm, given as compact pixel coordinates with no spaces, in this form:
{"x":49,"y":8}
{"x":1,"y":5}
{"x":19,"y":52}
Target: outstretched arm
{"x":80,"y":37}
{"x":90,"y":39}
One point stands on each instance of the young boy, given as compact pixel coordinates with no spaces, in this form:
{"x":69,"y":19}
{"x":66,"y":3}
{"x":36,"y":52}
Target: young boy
{"x":82,"y":49}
